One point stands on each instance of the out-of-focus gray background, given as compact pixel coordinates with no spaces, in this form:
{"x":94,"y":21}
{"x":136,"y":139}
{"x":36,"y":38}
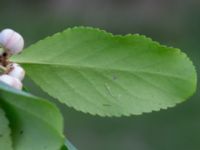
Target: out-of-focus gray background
{"x":171,"y":22}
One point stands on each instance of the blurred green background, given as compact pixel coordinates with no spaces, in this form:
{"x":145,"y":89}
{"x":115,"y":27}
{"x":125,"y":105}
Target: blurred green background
{"x":172,"y":22}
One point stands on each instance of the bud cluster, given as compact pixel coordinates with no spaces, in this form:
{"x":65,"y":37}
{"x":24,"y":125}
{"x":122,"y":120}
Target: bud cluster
{"x":11,"y":43}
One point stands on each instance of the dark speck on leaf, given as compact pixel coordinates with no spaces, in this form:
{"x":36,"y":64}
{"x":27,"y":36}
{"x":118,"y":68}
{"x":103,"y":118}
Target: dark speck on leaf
{"x":45,"y":147}
{"x":21,"y":132}
{"x":114,"y":77}
{"x":106,"y":105}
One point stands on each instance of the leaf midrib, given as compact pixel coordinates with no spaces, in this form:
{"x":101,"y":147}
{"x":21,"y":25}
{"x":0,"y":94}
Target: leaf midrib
{"x":105,"y":69}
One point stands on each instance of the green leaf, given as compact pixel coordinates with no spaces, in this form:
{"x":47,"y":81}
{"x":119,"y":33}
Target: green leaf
{"x":64,"y":148}
{"x":96,"y":72}
{"x":36,"y":124}
{"x":5,"y":139}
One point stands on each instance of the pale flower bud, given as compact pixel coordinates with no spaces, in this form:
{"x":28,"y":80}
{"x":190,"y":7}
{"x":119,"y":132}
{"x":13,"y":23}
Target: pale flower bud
{"x":11,"y":41}
{"x":11,"y":81}
{"x":17,"y":71}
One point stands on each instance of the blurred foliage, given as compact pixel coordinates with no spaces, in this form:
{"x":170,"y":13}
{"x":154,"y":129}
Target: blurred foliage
{"x":173,"y":22}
